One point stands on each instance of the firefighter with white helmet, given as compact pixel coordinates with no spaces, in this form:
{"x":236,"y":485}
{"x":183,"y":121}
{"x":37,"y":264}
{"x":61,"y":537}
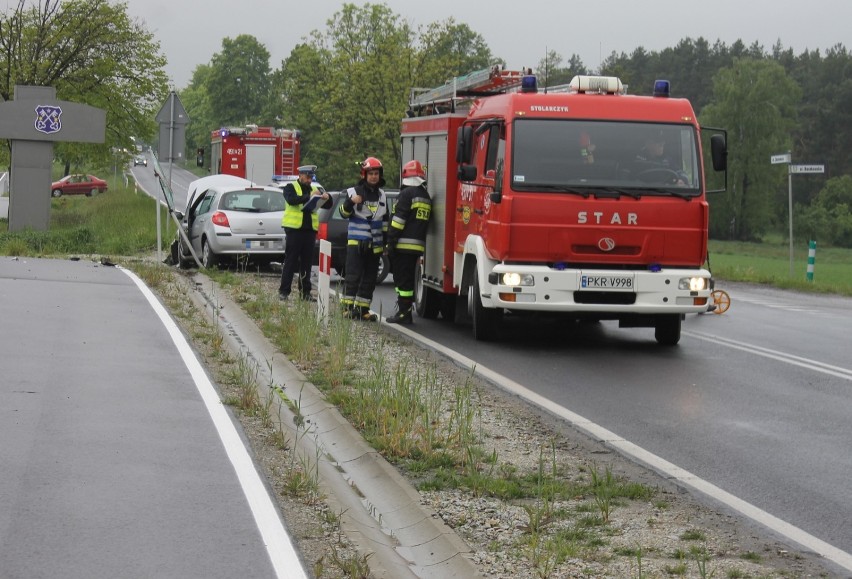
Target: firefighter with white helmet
{"x":365,"y":206}
{"x":407,"y":237}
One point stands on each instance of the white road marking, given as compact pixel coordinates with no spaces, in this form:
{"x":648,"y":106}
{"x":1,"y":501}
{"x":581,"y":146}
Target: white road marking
{"x":283,"y":555}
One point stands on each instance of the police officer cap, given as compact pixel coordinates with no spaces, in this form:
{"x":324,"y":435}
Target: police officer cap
{"x":309,"y":169}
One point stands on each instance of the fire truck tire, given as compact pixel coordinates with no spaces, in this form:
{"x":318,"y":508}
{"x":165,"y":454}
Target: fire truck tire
{"x":427,"y":301}
{"x":667,"y":329}
{"x":485,"y":320}
{"x":208,"y":258}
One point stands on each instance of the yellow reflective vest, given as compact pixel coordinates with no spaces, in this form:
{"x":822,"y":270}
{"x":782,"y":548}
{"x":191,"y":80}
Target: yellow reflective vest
{"x":293,"y":214}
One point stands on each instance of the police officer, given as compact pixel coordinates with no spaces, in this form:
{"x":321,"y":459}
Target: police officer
{"x":407,"y":237}
{"x":300,"y":223}
{"x":365,"y":206}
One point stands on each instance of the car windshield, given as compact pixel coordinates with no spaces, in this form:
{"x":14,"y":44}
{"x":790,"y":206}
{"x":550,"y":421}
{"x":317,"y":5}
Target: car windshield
{"x":571,"y":155}
{"x":252,"y":201}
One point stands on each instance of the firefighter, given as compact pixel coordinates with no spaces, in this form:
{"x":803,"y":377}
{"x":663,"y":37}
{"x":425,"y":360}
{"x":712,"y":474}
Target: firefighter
{"x":365,"y":206}
{"x":407,"y":237}
{"x":656,"y":164}
{"x":300,"y":223}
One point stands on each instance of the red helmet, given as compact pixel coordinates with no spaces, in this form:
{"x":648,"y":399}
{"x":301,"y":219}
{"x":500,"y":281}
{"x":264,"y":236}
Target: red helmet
{"x":371,"y":163}
{"x":413,"y":169}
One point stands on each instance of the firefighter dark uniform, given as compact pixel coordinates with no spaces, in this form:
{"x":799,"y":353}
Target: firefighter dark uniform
{"x":407,"y":237}
{"x":301,"y":230}
{"x":365,"y":206}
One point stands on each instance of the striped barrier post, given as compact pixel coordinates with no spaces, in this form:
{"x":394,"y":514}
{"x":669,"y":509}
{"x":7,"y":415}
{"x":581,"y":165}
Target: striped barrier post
{"x":811,"y":259}
{"x":324,"y":282}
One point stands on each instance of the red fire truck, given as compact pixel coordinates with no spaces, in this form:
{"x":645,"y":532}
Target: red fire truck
{"x":549,"y":201}
{"x":255,"y":153}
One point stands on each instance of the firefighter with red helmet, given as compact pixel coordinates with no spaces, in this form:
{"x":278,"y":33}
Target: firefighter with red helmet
{"x":365,"y":206}
{"x":407,"y":237}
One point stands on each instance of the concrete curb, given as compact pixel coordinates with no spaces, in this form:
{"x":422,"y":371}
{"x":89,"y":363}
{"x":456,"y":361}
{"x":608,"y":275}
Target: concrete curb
{"x":380,"y":511}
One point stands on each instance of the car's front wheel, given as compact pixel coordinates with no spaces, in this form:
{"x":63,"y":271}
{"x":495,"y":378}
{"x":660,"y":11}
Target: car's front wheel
{"x":56,"y":193}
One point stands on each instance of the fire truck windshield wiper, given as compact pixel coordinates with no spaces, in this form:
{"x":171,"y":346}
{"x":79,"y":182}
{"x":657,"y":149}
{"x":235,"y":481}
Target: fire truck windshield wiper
{"x":584,"y":192}
{"x":672,"y":192}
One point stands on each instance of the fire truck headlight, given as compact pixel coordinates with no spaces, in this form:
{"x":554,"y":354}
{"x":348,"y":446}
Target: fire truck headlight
{"x":518,"y":279}
{"x":693,"y":284}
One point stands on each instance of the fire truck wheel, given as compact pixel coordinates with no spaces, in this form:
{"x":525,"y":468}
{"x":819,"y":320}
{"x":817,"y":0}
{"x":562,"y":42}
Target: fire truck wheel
{"x":485,"y":320}
{"x":667,"y":329}
{"x":427,"y":301}
{"x":208,"y":258}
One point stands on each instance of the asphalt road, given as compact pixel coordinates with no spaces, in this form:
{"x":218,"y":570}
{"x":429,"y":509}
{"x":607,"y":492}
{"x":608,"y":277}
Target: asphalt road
{"x":117,"y":458}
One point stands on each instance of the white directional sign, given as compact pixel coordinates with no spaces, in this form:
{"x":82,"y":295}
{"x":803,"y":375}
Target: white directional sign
{"x":807,"y":168}
{"x":776,"y":159}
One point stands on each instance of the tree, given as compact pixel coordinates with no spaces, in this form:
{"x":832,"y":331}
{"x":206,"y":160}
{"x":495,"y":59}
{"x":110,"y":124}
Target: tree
{"x":238,"y":85}
{"x":196,"y":101}
{"x":828,"y":219}
{"x":92,"y":53}
{"x":347,"y":88}
{"x":756,"y":101}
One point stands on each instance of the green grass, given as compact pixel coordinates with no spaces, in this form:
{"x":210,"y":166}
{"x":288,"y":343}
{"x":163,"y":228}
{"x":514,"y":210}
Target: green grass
{"x":116,"y":223}
{"x":769,"y":263}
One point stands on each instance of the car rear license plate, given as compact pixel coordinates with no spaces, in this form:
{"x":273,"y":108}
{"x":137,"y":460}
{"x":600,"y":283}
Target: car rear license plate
{"x":607,"y":282}
{"x":263,"y":244}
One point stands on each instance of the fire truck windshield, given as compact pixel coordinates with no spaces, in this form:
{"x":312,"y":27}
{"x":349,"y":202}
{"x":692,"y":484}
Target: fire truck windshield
{"x":643,"y":158}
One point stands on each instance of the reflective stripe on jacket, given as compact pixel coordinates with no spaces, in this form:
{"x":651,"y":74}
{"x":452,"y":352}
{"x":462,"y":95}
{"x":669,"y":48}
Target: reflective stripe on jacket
{"x":410,"y":220}
{"x":368,"y":221}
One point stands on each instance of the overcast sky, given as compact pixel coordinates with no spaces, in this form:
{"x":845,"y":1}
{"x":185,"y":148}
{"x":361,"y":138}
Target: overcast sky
{"x":518,"y":31}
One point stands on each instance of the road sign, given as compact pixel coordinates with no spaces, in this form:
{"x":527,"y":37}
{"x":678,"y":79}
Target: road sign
{"x":807,"y":168}
{"x":776,"y":159}
{"x":173,"y":120}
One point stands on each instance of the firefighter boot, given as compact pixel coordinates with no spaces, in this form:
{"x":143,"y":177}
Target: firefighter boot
{"x":365,"y":314}
{"x":403,"y":313}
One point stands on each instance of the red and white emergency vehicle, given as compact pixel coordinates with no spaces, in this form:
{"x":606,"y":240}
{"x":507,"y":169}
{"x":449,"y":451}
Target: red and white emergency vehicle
{"x":255,"y":153}
{"x":546,"y":201}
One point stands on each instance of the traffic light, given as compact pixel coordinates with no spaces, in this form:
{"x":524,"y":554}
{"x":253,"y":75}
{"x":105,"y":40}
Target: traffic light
{"x":199,"y":157}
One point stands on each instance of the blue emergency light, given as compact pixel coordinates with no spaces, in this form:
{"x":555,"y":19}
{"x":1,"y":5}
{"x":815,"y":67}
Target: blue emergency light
{"x":662,"y":88}
{"x":528,"y":83}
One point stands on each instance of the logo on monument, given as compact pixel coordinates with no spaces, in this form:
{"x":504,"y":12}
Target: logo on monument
{"x":47,"y":119}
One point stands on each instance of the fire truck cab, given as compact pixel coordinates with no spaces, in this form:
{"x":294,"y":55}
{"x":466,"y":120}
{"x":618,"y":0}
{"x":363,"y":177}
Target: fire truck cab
{"x":551,"y":202}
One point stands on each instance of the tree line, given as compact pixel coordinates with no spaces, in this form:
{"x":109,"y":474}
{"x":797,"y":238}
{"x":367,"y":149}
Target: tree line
{"x":346,"y":87}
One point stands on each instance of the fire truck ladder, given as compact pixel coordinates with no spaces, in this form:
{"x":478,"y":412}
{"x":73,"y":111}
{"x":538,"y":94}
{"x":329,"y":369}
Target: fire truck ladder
{"x":485,"y":82}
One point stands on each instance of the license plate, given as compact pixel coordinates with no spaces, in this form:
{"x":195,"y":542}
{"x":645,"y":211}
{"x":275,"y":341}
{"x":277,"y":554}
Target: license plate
{"x":263,"y":244}
{"x":607,"y":282}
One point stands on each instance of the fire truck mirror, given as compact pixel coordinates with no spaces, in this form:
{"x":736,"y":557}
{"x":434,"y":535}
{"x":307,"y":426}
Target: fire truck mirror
{"x":464,"y":144}
{"x":719,"y":152}
{"x":467,"y":173}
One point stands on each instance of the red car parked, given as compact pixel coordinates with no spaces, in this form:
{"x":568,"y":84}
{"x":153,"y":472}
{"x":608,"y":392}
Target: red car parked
{"x":87,"y":185}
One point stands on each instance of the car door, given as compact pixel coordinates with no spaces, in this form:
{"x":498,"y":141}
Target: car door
{"x":198,"y":217}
